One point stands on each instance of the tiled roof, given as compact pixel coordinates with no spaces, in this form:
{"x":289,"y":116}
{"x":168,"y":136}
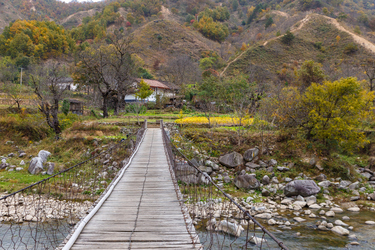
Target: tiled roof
{"x":154,"y":83}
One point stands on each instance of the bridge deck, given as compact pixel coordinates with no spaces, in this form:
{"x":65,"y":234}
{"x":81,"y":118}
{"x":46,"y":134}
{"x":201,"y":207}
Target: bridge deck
{"x":143,"y":211}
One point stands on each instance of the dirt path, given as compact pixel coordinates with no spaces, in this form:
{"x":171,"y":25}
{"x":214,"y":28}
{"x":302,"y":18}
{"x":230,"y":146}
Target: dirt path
{"x":235,"y":59}
{"x":358,"y":39}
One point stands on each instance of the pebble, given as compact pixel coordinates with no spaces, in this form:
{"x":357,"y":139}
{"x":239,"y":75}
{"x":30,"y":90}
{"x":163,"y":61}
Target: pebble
{"x":299,"y":219}
{"x":330,"y":213}
{"x":369,"y":222}
{"x":354,"y":209}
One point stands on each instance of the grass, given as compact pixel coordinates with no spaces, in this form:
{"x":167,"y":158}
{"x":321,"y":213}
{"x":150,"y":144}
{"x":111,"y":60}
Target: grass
{"x":15,"y":180}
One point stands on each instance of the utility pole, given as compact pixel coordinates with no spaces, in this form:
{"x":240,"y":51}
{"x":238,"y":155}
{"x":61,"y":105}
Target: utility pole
{"x":21,"y":77}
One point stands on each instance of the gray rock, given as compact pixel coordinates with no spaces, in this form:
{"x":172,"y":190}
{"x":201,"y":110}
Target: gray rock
{"x":354,"y":185}
{"x":272,"y":162}
{"x":208,"y":170}
{"x":265,"y":192}
{"x":340,"y":230}
{"x":330,"y":213}
{"x":231,"y":160}
{"x":246,"y":181}
{"x":250,"y":154}
{"x":226,"y":179}
{"x":50,"y":168}
{"x":270,"y":169}
{"x":369,"y":222}
{"x":355,"y":198}
{"x":324,"y":184}
{"x":19,"y":169}
{"x":344,"y":184}
{"x":372,"y":196}
{"x":230,"y":228}
{"x":22,"y":154}
{"x":301,"y":187}
{"x":366,"y":175}
{"x":275,"y":180}
{"x":257,"y":241}
{"x":340,"y":223}
{"x":337,"y":210}
{"x":321,"y":177}
{"x":310,"y":200}
{"x":3,"y":165}
{"x":299,"y":219}
{"x":189,"y":179}
{"x":36,"y":165}
{"x":252,"y":165}
{"x":265,"y":180}
{"x":43,"y":155}
{"x":11,"y":155}
{"x":354,"y":209}
{"x":22,"y":163}
{"x":287,"y":179}
{"x":263,"y":164}
{"x":312,"y":161}
{"x":263,"y":216}
{"x":282,"y":169}
{"x":213,"y":165}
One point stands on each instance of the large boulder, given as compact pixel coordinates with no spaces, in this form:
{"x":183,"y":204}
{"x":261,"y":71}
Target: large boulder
{"x":231,"y":160}
{"x":250,"y":154}
{"x":36,"y":165}
{"x":43,"y":154}
{"x":230,"y":228}
{"x":301,"y":187}
{"x":246,"y":181}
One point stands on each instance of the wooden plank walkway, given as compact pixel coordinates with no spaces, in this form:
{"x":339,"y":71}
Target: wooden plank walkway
{"x":143,"y":211}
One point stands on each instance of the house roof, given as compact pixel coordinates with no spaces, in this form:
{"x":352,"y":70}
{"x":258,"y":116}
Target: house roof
{"x":154,"y":83}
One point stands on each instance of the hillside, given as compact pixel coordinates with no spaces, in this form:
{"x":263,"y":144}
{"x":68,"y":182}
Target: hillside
{"x":164,"y":39}
{"x":8,"y":13}
{"x":316,"y":38}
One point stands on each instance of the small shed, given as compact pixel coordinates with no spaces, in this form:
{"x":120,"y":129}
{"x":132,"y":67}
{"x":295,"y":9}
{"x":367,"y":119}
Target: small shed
{"x":76,"y":107}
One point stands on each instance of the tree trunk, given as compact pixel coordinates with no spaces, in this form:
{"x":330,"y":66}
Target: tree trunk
{"x":56,"y":123}
{"x":105,"y":106}
{"x":116,"y":108}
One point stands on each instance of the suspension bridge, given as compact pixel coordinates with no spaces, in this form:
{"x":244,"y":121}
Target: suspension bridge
{"x":143,"y":211}
{"x":155,"y":201}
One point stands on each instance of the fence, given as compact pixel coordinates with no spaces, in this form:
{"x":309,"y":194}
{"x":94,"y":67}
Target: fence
{"x":42,"y":215}
{"x":221,"y":222}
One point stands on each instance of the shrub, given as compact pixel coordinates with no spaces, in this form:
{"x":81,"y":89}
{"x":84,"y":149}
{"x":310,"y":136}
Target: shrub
{"x":65,"y":107}
{"x":350,"y":48}
{"x":288,"y":37}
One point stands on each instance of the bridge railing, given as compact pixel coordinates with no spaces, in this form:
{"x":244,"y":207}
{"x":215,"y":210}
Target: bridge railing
{"x":42,"y":215}
{"x":219,"y":219}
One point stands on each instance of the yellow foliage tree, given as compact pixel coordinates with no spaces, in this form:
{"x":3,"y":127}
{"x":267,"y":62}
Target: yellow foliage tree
{"x":244,"y":47}
{"x":336,"y":111}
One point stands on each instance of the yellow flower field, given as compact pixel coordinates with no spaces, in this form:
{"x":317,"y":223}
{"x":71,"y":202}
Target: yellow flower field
{"x":215,"y":120}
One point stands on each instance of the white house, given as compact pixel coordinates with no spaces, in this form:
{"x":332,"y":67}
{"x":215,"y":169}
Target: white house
{"x":158,"y":87}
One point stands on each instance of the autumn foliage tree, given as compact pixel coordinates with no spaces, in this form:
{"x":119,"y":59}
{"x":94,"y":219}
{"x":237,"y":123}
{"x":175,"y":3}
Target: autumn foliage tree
{"x":211,"y":29}
{"x":40,"y":39}
{"x":331,"y":112}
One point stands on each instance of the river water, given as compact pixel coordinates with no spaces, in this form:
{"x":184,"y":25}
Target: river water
{"x":51,"y":235}
{"x":310,"y":237}
{"x":33,"y":235}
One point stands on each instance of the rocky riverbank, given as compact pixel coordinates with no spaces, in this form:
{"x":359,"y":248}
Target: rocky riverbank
{"x":35,"y":208}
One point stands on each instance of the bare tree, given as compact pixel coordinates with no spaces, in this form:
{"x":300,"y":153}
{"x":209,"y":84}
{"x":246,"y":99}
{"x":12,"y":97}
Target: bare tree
{"x":181,"y":71}
{"x":368,"y":65}
{"x":108,"y":68}
{"x":49,"y":90}
{"x":13,"y":91}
